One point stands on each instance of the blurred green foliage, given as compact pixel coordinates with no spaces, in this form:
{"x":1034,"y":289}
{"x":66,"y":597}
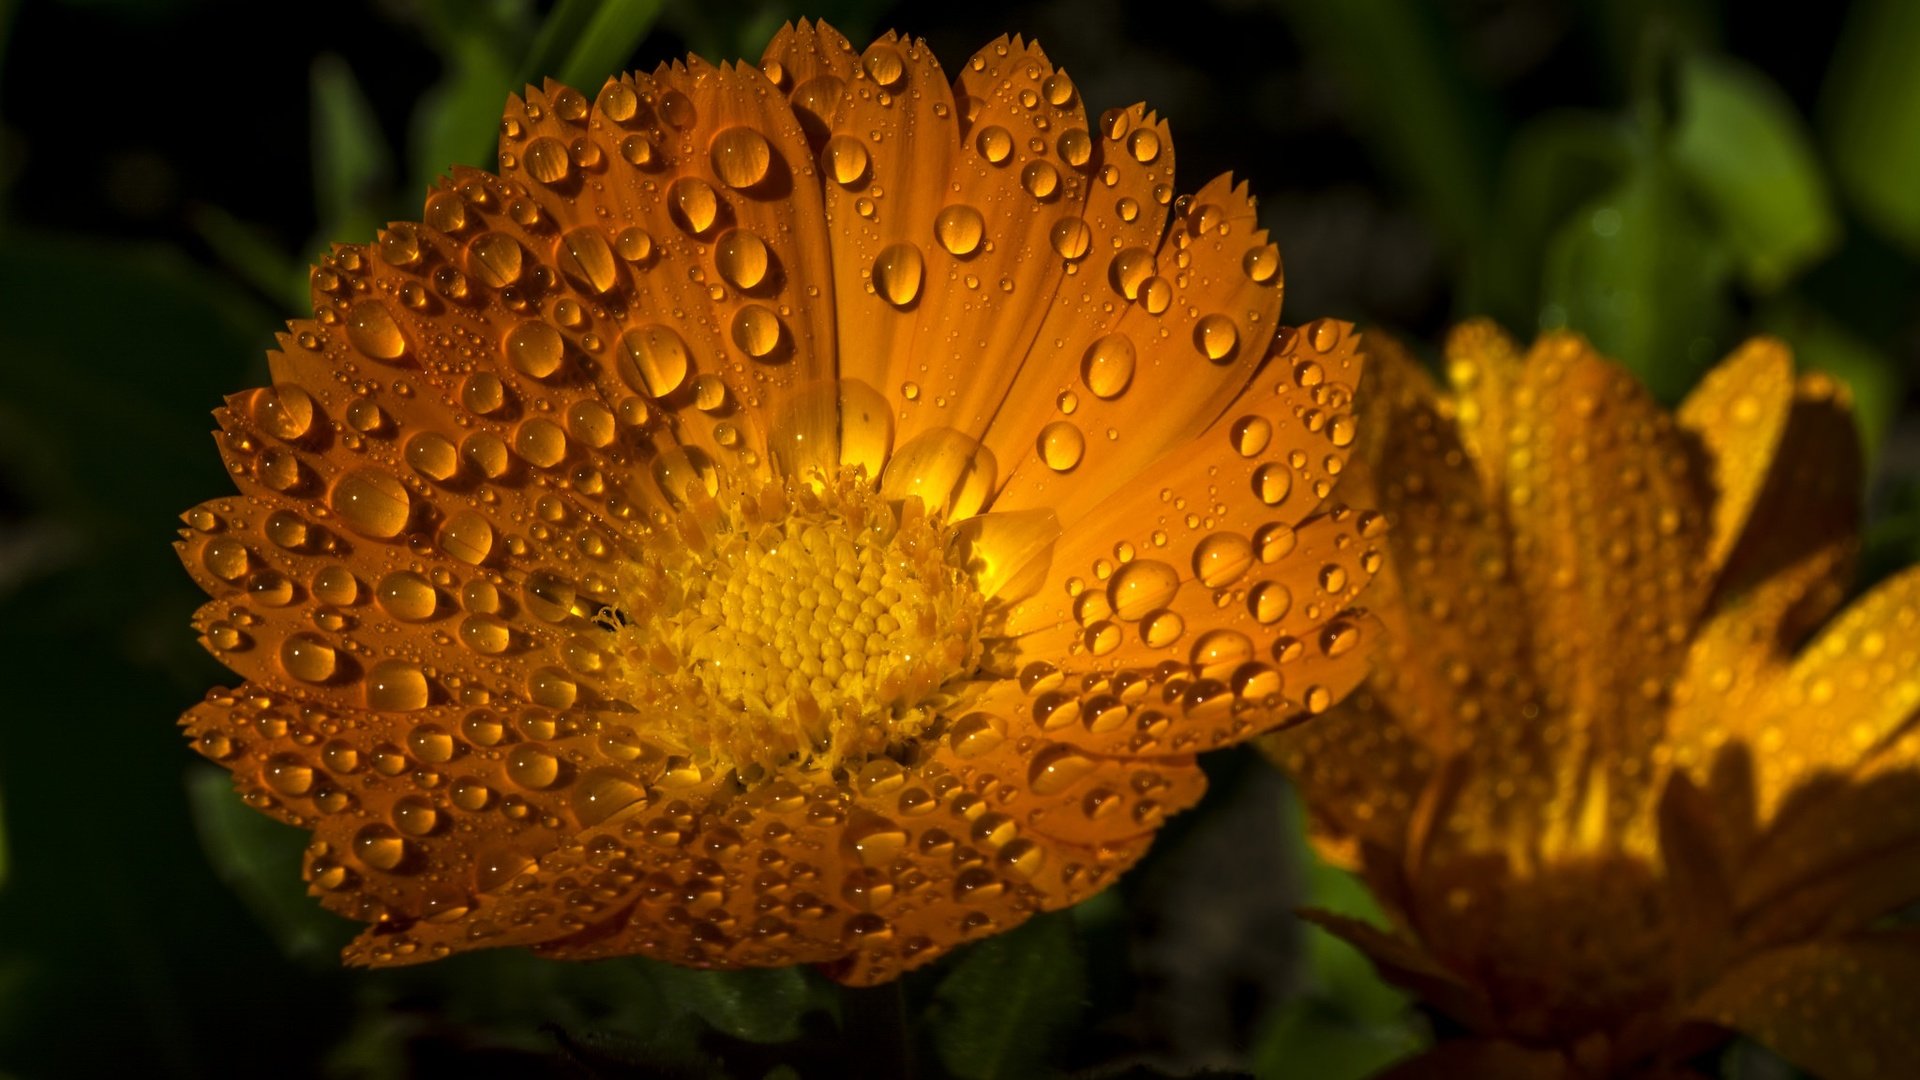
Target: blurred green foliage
{"x":1688,"y":193}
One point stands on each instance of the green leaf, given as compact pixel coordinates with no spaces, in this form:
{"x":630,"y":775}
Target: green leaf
{"x":352,"y":167}
{"x":259,"y":859}
{"x":3,"y":841}
{"x":456,"y":122}
{"x":584,"y":41}
{"x":1871,"y":108}
{"x":1643,"y":278}
{"x":762,"y":1005}
{"x":1347,"y":1022}
{"x":1742,"y":146}
{"x":1007,"y":1000}
{"x":1403,"y":74}
{"x":1556,"y":163}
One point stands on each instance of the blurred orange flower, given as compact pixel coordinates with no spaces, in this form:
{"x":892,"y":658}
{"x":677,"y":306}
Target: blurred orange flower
{"x":1613,"y":797}
{"x":811,"y":513}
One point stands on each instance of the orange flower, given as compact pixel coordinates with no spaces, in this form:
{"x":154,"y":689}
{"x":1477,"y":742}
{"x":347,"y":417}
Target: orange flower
{"x":810,"y":513}
{"x":1606,"y":788}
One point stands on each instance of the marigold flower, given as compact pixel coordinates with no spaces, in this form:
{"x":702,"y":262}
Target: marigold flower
{"x":1609,"y":792}
{"x":806,"y":513}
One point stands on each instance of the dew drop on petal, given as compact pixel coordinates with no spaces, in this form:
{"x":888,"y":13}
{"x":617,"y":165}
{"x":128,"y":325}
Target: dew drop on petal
{"x":653,"y":360}
{"x":897,"y":273}
{"x":371,"y":329}
{"x":371,"y":502}
{"x":847,"y":160}
{"x":741,"y":157}
{"x":535,"y":348}
{"x":1061,"y":445}
{"x":396,"y":686}
{"x":1222,"y":559}
{"x":959,"y":228}
{"x":1107,"y":367}
{"x":1141,"y":587}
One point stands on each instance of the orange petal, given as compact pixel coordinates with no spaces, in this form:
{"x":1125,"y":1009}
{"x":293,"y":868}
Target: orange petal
{"x":1738,"y":412}
{"x":1840,"y":1009}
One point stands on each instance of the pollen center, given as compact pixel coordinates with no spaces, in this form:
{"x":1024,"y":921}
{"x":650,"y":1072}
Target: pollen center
{"x":792,"y":628}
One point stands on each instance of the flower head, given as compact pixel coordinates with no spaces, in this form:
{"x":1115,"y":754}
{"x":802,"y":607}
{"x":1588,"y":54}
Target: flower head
{"x":1608,"y":789}
{"x":805,"y":513}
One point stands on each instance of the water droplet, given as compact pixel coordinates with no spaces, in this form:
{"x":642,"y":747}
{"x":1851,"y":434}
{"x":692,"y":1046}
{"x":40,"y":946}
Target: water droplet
{"x":757,"y":330}
{"x":653,"y":360}
{"x":371,"y":502}
{"x":1217,"y":338}
{"x":1162,"y":629}
{"x":1221,"y":559}
{"x":1251,"y":434}
{"x":1273,"y":482}
{"x":1325,"y":335}
{"x":847,"y":159}
{"x":396,"y":686}
{"x":1261,"y":264}
{"x":446,"y":212}
{"x":1040,"y":179}
{"x":371,"y":329}
{"x":959,"y":228}
{"x":741,"y":157}
{"x":532,"y":767}
{"x":1061,"y":445}
{"x":1058,"y":88}
{"x":541,"y":442}
{"x":693,"y":204}
{"x":415,"y":816}
{"x":742,"y":258}
{"x":308,"y":658}
{"x":536,"y":348}
{"x":897,"y":273}
{"x":602,"y":793}
{"x":1333,"y":577}
{"x":406,"y":596}
{"x":546,"y":160}
{"x":995,"y":144}
{"x":1071,"y":238}
{"x":494,"y":259}
{"x":335,"y":585}
{"x":379,"y":847}
{"x":1107,"y":367}
{"x":1076,"y":147}
{"x":1130,"y":269}
{"x":885,"y":66}
{"x":483,"y":393}
{"x":1144,"y":145}
{"x":1141,"y":587}
{"x":284,"y":411}
{"x":634,"y":244}
{"x":977,"y":734}
{"x":485,"y":634}
{"x":584,"y":257}
{"x":1058,"y":768}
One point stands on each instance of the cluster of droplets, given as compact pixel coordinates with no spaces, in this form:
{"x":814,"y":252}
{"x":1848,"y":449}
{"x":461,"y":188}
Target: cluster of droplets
{"x":795,"y":628}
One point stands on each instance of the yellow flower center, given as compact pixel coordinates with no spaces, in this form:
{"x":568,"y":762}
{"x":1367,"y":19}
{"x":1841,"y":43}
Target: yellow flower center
{"x":789,"y":627}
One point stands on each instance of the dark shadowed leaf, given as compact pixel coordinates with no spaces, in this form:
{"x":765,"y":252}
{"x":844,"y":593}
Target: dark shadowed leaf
{"x":762,"y":1005}
{"x":259,"y":859}
{"x":1641,"y":275}
{"x":1740,"y":144}
{"x":1008,"y":999}
{"x":352,"y":167}
{"x":584,"y":41}
{"x":1871,"y":111}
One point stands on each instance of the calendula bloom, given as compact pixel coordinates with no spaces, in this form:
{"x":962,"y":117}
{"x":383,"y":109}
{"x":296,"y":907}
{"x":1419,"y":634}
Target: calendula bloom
{"x":805,"y":513}
{"x":1616,"y":785}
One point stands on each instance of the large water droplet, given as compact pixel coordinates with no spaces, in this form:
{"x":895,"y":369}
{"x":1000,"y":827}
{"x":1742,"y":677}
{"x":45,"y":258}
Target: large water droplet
{"x":1217,"y":338}
{"x":379,"y":847}
{"x":1071,"y":238}
{"x":308,"y":658}
{"x":741,"y":157}
{"x":977,"y":734}
{"x":898,"y":272}
{"x":1221,"y":559}
{"x":959,"y":228}
{"x":546,"y":160}
{"x":847,"y":159}
{"x":1056,"y":769}
{"x":995,"y":143}
{"x":371,"y":329}
{"x":532,"y":767}
{"x":742,"y":258}
{"x":371,"y":502}
{"x":536,"y":348}
{"x":756,"y":329}
{"x":653,"y":360}
{"x":284,"y":411}
{"x":396,"y":686}
{"x":1107,"y":367}
{"x":494,"y":259}
{"x":407,"y":596}
{"x":602,"y":793}
{"x":1141,"y":587}
{"x":1061,"y":445}
{"x":693,"y":204}
{"x":584,"y":256}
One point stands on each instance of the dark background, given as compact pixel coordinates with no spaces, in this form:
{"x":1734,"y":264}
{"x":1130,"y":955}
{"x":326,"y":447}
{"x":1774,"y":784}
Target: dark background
{"x":1665,"y":178}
